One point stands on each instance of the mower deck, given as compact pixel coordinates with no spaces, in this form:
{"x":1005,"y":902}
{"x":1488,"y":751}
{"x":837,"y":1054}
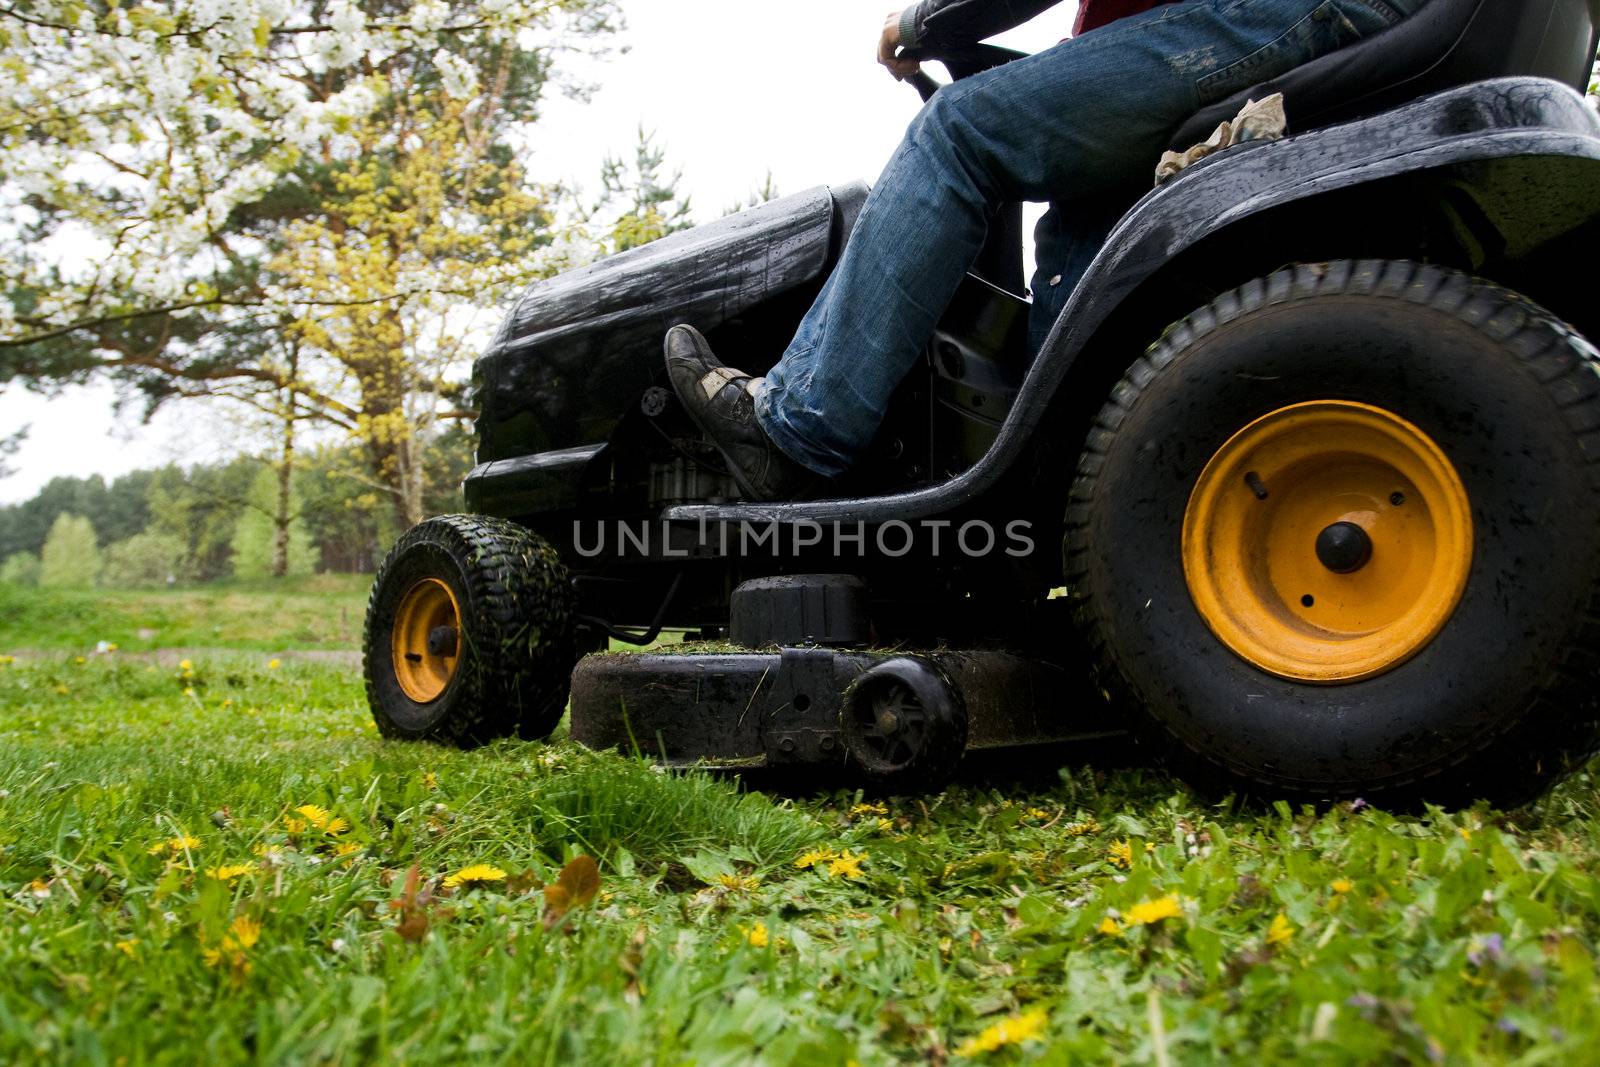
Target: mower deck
{"x":721,"y":707}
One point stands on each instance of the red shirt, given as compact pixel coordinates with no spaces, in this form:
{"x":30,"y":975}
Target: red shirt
{"x":1092,"y":14}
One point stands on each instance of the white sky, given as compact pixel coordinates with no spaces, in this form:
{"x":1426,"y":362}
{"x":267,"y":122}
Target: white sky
{"x":732,"y":88}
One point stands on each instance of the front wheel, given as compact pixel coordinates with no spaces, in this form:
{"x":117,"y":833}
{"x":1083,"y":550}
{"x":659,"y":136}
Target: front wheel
{"x":1338,"y":534}
{"x":469,"y":634}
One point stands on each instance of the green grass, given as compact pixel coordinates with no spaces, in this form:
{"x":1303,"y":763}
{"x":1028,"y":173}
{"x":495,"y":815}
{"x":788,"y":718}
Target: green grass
{"x":1458,"y":938}
{"x":323,"y":612}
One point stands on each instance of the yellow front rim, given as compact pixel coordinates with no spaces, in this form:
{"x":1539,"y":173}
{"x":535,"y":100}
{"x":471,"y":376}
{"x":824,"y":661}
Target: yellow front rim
{"x":426,"y":640}
{"x":1328,"y":542}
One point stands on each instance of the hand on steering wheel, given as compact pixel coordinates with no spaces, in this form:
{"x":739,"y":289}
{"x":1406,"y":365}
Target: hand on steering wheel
{"x":889,"y":48}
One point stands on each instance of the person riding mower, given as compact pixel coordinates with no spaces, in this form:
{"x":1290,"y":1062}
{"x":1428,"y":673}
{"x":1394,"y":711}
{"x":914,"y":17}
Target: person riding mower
{"x":1315,"y":427}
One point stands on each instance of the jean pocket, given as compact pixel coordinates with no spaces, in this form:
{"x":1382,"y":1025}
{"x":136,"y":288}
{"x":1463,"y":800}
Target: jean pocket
{"x":1326,"y":29}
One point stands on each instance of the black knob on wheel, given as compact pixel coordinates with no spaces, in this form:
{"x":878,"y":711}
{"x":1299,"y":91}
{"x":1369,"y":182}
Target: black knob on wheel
{"x":442,"y":641}
{"x":1344,"y":548}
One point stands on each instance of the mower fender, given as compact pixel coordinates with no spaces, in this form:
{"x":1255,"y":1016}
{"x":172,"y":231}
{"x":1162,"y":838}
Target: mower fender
{"x":1468,"y":131}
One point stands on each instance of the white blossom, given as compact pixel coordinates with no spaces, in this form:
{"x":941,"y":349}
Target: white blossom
{"x":459,"y":77}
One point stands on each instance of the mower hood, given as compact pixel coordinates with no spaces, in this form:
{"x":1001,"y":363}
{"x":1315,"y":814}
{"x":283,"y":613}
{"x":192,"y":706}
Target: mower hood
{"x":579,"y":349}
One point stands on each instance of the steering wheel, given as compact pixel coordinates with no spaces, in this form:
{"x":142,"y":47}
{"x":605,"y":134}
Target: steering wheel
{"x":961,"y":62}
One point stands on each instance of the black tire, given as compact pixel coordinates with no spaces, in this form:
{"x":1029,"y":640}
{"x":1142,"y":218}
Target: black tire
{"x":516,"y":647}
{"x":919,"y":750}
{"x":1506,"y":698}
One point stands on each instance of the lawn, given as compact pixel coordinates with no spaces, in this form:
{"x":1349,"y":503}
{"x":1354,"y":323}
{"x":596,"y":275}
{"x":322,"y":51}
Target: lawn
{"x":209,"y":860}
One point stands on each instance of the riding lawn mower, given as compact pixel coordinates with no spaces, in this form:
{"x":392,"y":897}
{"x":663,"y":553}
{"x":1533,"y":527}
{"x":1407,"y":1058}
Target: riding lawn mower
{"x":1302,"y":490}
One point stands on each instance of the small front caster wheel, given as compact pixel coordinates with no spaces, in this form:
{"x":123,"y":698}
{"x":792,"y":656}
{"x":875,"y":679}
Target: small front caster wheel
{"x":905,"y":726}
{"x":469,"y":634}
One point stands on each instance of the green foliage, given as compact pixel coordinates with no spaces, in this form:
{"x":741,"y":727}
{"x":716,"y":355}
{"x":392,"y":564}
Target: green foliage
{"x":9,"y":443}
{"x":143,"y":560}
{"x":20,"y":568}
{"x":643,"y":204}
{"x":200,"y":508}
{"x":1083,"y":916}
{"x":324,"y":612}
{"x":71,"y":557}
{"x":255,"y":533}
{"x":118,"y":511}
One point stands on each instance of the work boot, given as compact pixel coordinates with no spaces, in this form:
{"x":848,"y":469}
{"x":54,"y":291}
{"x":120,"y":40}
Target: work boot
{"x":722,"y":402}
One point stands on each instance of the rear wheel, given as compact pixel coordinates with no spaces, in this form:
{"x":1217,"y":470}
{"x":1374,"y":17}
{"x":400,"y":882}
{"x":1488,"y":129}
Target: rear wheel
{"x":1338,"y":534}
{"x":469,"y":634}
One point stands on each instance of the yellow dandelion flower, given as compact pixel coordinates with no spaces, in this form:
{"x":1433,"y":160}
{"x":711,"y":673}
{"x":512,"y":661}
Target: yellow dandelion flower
{"x":127,"y":947}
{"x":1013,"y":1031}
{"x":185,"y":665}
{"x":847,"y":864}
{"x":6,"y":661}
{"x":228,"y":703}
{"x":112,"y":646}
{"x":757,"y":935}
{"x":885,"y":825}
{"x":228,"y":872}
{"x":80,"y":660}
{"x":244,"y":932}
{"x":314,"y":815}
{"x":815,"y":857}
{"x":1342,"y":886}
{"x":1281,"y":930}
{"x":174,"y":845}
{"x":274,"y":664}
{"x":1038,"y":815}
{"x":346,"y":849}
{"x":1120,"y":854}
{"x":188,"y":690}
{"x":1153,"y":911}
{"x":1081,"y":829}
{"x":477,"y":874}
{"x":737,"y":882}
{"x":1465,"y":832}
{"x":430,"y":781}
{"x":336,"y":826}
{"x":242,"y":935}
{"x":294,"y":825}
{"x":1109,"y":926}
{"x":868,"y":809}
{"x":62,"y":690}
{"x":267,"y":852}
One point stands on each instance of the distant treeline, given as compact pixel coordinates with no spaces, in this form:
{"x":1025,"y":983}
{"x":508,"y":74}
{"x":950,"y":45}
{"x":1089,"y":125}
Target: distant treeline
{"x":214,"y":521}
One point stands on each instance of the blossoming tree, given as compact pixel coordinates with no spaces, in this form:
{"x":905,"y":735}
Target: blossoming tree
{"x":191,"y":188}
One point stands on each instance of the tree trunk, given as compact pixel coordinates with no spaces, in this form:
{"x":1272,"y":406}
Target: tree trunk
{"x":396,"y":456}
{"x":283,"y":513}
{"x":283,"y":516}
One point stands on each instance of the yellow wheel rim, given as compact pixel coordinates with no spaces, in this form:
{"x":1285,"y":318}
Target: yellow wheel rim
{"x":1328,"y":542}
{"x":426,"y":640}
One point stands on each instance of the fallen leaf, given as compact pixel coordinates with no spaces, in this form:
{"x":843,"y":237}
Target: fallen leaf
{"x":577,"y":884}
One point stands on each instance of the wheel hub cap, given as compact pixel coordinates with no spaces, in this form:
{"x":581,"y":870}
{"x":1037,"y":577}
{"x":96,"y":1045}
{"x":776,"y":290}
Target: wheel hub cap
{"x":1328,"y":542}
{"x":1344,"y":548}
{"x":425,"y":638}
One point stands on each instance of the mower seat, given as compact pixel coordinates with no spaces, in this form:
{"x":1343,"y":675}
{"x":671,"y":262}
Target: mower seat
{"x":1446,"y":44}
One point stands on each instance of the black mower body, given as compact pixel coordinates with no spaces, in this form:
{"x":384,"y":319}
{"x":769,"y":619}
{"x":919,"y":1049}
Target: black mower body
{"x":1501,"y":177}
{"x":1425,"y":228}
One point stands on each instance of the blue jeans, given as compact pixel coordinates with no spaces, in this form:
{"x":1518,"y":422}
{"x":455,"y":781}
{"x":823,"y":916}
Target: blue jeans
{"x":1074,"y":125}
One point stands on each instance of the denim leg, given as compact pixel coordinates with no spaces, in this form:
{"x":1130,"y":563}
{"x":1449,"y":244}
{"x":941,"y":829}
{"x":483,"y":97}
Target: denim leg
{"x":1079,"y":120}
{"x":1065,"y":242}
